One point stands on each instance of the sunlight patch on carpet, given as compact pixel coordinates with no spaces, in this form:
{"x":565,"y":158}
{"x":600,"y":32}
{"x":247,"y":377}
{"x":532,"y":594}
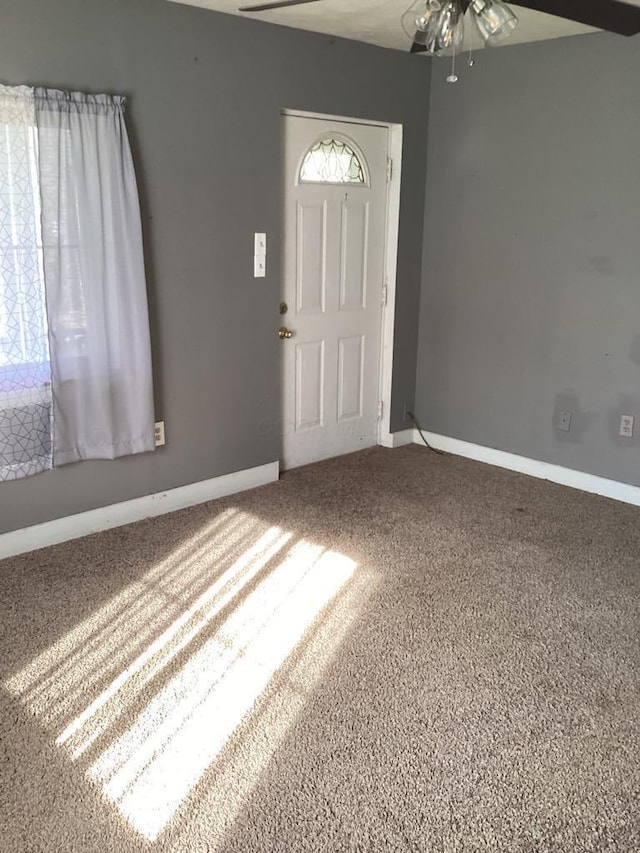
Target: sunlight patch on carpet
{"x":100,"y":714}
{"x":148,"y":690}
{"x":58,"y":680}
{"x":149,"y":770}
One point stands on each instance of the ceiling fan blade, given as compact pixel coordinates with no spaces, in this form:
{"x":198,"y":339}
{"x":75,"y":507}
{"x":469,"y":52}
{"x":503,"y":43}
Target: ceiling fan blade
{"x":611,"y":15}
{"x":276,"y":4}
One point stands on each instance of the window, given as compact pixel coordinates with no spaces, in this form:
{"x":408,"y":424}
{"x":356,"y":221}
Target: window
{"x":25,"y":378}
{"x":24,"y":349}
{"x":75,"y":360}
{"x":332,"y":161}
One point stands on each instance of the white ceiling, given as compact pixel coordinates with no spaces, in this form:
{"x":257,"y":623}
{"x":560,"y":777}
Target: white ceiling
{"x":378,"y":21}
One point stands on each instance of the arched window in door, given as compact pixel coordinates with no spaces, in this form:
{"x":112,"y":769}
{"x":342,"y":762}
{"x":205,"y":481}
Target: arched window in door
{"x":332,"y":160}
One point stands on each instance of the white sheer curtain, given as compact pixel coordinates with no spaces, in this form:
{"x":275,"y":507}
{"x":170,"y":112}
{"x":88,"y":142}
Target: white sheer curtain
{"x":75,"y":365}
{"x":25,"y":391}
{"x":94,"y":279}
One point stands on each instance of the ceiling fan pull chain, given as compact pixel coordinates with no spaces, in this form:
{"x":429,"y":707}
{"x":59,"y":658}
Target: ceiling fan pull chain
{"x":453,"y":77}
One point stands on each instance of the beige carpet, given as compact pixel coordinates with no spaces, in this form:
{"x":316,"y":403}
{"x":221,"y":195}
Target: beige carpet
{"x":392,"y":651}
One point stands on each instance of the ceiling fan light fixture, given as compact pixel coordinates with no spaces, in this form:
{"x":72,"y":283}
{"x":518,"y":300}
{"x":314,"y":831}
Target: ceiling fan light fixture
{"x":446,"y":29}
{"x":494,"y":19}
{"x":415,"y":21}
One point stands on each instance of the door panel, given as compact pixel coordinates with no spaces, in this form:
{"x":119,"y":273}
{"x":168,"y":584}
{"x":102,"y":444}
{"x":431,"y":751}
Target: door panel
{"x":334,"y":236}
{"x":354,"y":251}
{"x":350,"y":377}
{"x":309,"y":383}
{"x":311,"y":254}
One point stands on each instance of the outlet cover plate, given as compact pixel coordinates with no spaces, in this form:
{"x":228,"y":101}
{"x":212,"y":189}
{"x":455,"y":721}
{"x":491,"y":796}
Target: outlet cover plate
{"x":626,"y":426}
{"x":159,"y":432}
{"x":564,"y":421}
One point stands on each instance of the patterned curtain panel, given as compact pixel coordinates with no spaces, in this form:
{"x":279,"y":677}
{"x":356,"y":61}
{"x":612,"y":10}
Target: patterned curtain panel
{"x":75,"y":363}
{"x":25,"y":389}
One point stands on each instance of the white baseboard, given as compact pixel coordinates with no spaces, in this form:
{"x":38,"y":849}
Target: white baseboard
{"x":533,"y":467}
{"x":397,"y":439}
{"x":94,"y":520}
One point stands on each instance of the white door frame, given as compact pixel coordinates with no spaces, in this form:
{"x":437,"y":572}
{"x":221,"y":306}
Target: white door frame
{"x":388,"y":286}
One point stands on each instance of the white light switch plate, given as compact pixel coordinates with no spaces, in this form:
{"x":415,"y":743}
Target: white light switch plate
{"x":259,"y":266}
{"x":259,"y":244}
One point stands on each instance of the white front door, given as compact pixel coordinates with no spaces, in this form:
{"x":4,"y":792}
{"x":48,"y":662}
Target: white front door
{"x":335,"y":195}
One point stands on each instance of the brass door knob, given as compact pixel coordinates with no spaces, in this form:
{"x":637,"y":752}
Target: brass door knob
{"x":283,"y":333}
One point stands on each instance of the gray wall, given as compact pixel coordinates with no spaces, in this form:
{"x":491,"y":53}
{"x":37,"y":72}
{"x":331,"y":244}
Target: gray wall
{"x":205,"y":93}
{"x":531,"y":284}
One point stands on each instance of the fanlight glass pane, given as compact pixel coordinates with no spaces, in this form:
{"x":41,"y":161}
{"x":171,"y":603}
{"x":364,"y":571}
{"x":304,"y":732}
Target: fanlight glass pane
{"x":332,"y":161}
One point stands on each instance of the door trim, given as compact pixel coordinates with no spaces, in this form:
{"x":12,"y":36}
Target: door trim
{"x":390,"y":270}
{"x":390,"y":263}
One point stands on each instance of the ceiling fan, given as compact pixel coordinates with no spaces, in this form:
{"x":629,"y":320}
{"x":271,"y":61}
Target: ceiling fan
{"x":436,"y":26}
{"x":612,"y":15}
{"x":275,"y":4}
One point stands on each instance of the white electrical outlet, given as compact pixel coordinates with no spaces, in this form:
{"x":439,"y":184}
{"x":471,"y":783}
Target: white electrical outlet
{"x":626,"y":425}
{"x":564,"y":421}
{"x":159,"y":433}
